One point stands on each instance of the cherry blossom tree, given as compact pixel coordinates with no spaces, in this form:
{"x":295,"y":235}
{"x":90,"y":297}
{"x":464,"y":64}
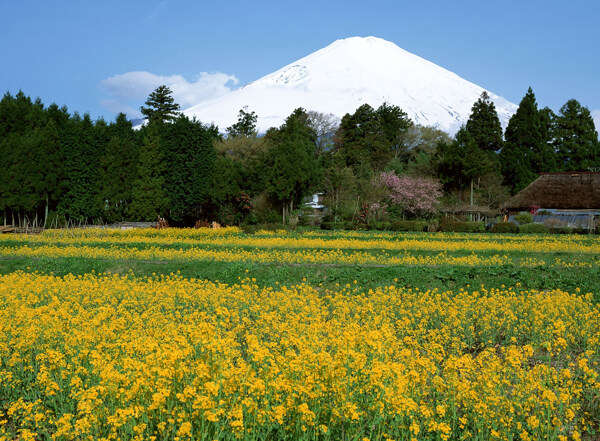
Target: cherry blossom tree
{"x":417,"y":196}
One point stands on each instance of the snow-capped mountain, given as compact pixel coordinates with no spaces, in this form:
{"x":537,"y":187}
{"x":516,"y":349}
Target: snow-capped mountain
{"x":347,"y":74}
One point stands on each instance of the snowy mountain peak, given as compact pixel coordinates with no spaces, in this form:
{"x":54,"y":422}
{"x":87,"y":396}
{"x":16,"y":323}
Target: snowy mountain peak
{"x":347,"y":74}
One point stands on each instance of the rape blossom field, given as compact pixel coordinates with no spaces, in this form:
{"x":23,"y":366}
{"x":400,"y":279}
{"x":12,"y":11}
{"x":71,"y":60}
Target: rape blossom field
{"x":102,"y":338}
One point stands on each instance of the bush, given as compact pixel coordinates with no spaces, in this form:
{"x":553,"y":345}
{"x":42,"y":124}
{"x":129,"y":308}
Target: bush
{"x":561,"y":230}
{"x":462,"y":227}
{"x":408,"y":226}
{"x":533,"y":229}
{"x":505,"y":227}
{"x":381,"y":226}
{"x":524,"y":218}
{"x":332,"y":225}
{"x":349,"y":225}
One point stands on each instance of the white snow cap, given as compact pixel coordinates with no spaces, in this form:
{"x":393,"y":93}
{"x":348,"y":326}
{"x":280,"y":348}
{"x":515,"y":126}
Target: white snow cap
{"x":347,"y":74}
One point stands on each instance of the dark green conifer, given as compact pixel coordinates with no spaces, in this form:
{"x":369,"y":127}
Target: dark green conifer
{"x":161,"y":106}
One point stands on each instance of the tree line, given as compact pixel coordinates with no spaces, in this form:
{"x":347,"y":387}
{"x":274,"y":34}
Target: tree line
{"x":57,"y":165}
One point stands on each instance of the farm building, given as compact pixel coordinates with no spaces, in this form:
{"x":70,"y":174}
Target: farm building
{"x":570,"y":199}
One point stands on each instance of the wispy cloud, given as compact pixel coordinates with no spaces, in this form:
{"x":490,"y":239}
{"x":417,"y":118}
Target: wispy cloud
{"x":129,"y":90}
{"x":155,"y":13}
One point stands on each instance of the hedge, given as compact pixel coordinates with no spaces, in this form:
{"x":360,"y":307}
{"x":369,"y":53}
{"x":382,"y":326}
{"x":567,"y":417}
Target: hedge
{"x":505,"y":227}
{"x":533,"y":229}
{"x":462,"y":227}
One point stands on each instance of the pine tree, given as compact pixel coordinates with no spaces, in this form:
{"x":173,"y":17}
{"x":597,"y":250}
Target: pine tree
{"x":83,"y":149}
{"x":293,"y":166}
{"x":575,"y":138}
{"x":484,"y":126}
{"x":189,"y":151}
{"x":148,"y":196}
{"x":245,"y":125}
{"x":462,"y":163}
{"x":118,"y":170}
{"x":526,"y":151}
{"x":161,"y":105}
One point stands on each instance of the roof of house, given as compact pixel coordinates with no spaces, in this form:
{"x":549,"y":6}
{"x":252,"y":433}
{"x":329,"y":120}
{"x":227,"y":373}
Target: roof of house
{"x":566,"y":190}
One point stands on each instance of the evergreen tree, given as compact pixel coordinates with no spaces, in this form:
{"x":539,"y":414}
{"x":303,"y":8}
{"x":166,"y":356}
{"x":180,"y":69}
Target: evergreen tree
{"x":118,"y":170}
{"x":461,"y":163}
{"x":245,"y":125}
{"x":82,"y":153}
{"x":371,"y":137}
{"x":526,"y":152}
{"x":189,"y":151}
{"x":575,"y":138}
{"x":484,"y":126}
{"x":148,"y":199}
{"x":293,"y":166}
{"x":161,"y":105}
{"x":395,"y":123}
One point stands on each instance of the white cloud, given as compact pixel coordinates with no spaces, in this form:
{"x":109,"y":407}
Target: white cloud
{"x":130,"y":90}
{"x":596,"y":116}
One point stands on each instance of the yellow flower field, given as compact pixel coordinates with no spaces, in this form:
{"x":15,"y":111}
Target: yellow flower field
{"x":344,"y":240}
{"x":346,"y":248}
{"x":113,"y":357}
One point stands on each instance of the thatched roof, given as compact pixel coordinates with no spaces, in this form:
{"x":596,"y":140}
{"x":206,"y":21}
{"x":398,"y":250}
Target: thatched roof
{"x":563,"y":190}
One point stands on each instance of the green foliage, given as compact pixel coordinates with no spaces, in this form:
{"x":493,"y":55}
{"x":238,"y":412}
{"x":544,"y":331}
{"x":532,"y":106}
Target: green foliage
{"x":460,"y":162}
{"x":245,"y":125}
{"x":118,"y":171}
{"x":372,"y":136}
{"x":484,"y":126}
{"x":461,"y":226}
{"x":83,"y":147}
{"x":411,"y":225}
{"x":526,"y":152}
{"x":161,"y":106}
{"x":576,"y":138}
{"x":524,"y":218}
{"x":293,"y":167}
{"x":148,"y":196}
{"x":505,"y":227}
{"x":188,"y":148}
{"x":533,"y":229}
{"x":332,"y":225}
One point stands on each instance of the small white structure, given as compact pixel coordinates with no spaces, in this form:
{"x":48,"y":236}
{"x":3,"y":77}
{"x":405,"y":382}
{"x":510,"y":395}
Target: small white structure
{"x":315,"y":202}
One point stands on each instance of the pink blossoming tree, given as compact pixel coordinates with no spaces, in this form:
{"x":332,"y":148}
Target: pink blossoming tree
{"x":417,"y":196}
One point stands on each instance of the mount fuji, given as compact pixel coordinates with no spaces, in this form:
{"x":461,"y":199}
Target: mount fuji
{"x":347,"y":74}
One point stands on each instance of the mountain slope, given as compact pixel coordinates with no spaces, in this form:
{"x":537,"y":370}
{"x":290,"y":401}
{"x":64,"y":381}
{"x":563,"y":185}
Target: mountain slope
{"x":348,"y":73}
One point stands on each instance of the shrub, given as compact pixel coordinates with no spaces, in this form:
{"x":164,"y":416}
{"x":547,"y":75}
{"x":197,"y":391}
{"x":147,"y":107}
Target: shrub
{"x":561,"y":230}
{"x":332,"y":225}
{"x":381,"y":226}
{"x":505,"y":227}
{"x":408,"y":226}
{"x":524,"y":218}
{"x":533,"y":229}
{"x":462,"y":227}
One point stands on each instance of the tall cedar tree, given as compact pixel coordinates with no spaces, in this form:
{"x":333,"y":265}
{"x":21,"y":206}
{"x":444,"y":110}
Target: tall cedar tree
{"x":293,"y":166}
{"x":148,"y":198}
{"x":20,"y":124}
{"x":461,"y":163}
{"x":371,"y":137}
{"x":576,"y":138}
{"x":83,"y":148}
{"x":118,"y":170}
{"x":188,"y":148}
{"x":484,"y":126}
{"x":161,"y":106}
{"x":526,"y":151}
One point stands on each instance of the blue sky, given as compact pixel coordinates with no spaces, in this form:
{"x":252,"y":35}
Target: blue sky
{"x":106,"y":56}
